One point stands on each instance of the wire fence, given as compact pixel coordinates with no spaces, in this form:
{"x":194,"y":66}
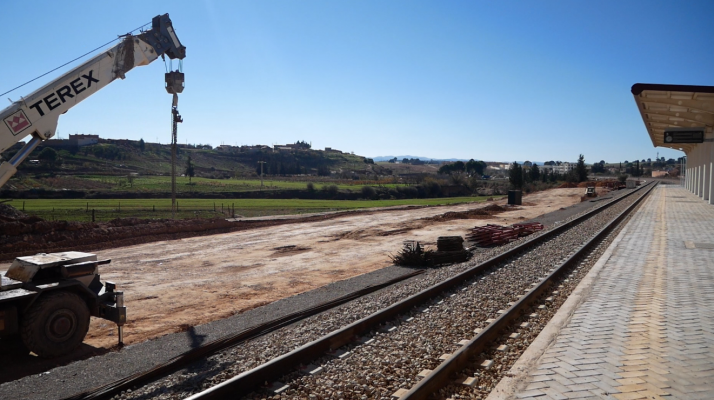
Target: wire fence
{"x":93,"y":213}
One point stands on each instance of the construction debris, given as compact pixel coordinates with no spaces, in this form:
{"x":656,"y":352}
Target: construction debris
{"x":412,"y":254}
{"x":496,"y":235}
{"x":450,"y":243}
{"x":450,"y":249}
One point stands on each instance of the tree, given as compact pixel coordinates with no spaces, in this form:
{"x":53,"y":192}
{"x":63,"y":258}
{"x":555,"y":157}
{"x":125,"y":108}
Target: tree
{"x":515,"y":175}
{"x":190,"y":172}
{"x":581,"y":173}
{"x":142,"y":145}
{"x":475,"y":167}
{"x":48,"y":156}
{"x":534,"y":173}
{"x":368,"y":192}
{"x":303,"y":144}
{"x":598,"y":167}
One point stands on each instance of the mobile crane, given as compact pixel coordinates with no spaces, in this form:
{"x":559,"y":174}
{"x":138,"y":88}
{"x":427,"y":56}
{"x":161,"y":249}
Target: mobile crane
{"x":48,"y":298}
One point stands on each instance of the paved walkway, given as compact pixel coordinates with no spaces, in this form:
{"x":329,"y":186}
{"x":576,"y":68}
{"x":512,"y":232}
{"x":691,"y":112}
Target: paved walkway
{"x":645,"y":330}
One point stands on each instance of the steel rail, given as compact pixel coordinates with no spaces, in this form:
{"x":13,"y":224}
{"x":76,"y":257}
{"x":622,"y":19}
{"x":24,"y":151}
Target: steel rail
{"x":440,"y":376}
{"x":248,"y":381}
{"x":205,"y":350}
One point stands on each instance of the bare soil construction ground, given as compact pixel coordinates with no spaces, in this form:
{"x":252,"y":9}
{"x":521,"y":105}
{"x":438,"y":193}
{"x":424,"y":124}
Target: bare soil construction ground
{"x":173,"y":285}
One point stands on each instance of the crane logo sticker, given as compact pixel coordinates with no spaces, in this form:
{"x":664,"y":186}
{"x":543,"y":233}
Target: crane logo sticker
{"x":17,"y":122}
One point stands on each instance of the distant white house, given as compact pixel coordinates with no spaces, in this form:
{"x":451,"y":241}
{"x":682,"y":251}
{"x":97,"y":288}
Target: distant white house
{"x":563,"y":168}
{"x":83,"y":140}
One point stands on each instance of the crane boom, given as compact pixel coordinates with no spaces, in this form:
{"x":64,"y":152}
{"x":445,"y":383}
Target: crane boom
{"x":37,"y":114}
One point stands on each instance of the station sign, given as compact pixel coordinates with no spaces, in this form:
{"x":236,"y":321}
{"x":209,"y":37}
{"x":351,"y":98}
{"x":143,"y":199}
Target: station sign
{"x":684,"y":135}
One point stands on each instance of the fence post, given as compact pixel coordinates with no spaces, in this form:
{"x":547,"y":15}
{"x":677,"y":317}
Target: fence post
{"x":92,"y":215}
{"x":120,"y":206}
{"x":23,"y":206}
{"x":87,"y":207}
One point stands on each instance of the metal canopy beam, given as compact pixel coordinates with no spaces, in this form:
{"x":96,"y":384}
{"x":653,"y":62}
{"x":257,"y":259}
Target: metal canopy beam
{"x":674,"y":106}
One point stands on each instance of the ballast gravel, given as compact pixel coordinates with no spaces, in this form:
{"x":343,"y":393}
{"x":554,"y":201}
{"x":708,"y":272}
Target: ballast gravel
{"x":394,"y":359}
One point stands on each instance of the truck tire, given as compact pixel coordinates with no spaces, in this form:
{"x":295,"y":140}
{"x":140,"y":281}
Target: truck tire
{"x":55,"y":325}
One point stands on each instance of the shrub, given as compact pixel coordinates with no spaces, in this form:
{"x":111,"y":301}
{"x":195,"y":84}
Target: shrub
{"x":332,"y":190}
{"x":368,"y":192}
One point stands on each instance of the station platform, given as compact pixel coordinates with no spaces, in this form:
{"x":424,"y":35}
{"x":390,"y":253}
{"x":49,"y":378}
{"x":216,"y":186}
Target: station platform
{"x":640,"y":325}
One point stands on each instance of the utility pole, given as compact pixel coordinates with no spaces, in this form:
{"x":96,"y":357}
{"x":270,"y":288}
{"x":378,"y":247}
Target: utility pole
{"x":174,"y":85}
{"x":261,"y":173}
{"x":175,"y":119}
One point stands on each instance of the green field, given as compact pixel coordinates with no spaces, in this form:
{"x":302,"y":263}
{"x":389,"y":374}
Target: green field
{"x":163,"y":184}
{"x":107,"y":209}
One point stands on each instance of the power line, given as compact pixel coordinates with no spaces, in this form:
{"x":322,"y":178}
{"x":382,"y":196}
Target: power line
{"x":70,"y":62}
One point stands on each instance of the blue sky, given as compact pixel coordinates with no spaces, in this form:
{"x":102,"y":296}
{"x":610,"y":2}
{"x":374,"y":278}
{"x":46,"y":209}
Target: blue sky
{"x":501,"y":81}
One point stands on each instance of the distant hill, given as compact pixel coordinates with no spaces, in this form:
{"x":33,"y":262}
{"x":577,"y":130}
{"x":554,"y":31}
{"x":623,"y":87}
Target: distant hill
{"x":387,"y":158}
{"x":122,"y":157}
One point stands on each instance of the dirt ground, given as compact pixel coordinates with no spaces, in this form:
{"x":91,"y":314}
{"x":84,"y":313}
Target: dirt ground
{"x":172,"y":285}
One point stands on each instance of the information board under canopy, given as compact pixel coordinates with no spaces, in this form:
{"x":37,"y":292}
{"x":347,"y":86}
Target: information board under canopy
{"x":683,"y":107}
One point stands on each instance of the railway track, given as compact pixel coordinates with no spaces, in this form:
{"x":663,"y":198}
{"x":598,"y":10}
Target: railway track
{"x":427,"y":335}
{"x":271,"y":356}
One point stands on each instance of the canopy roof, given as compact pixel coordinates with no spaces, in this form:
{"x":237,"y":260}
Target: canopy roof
{"x":672,"y":106}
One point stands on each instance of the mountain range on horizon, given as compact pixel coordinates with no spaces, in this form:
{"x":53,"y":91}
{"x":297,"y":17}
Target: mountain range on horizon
{"x":387,"y":158}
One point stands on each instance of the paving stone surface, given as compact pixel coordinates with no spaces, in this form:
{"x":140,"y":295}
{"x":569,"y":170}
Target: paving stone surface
{"x":646,"y":330}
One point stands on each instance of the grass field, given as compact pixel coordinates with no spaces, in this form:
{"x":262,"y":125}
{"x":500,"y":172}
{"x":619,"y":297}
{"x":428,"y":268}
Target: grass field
{"x":107,"y":209}
{"x":163,"y":184}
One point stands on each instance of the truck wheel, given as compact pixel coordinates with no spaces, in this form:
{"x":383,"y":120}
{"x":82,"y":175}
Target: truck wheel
{"x":55,"y":324}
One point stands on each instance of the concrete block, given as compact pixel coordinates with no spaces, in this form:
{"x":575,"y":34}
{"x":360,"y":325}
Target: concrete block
{"x":470,"y":381}
{"x":514,"y":335}
{"x":341,"y":354}
{"x":366,"y":340}
{"x":278,"y":387}
{"x":444,"y":356}
{"x":424,"y":373}
{"x":503,"y":347}
{"x":311,"y":369}
{"x":399,"y":393}
{"x":463,"y":342}
{"x":487,"y":364}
